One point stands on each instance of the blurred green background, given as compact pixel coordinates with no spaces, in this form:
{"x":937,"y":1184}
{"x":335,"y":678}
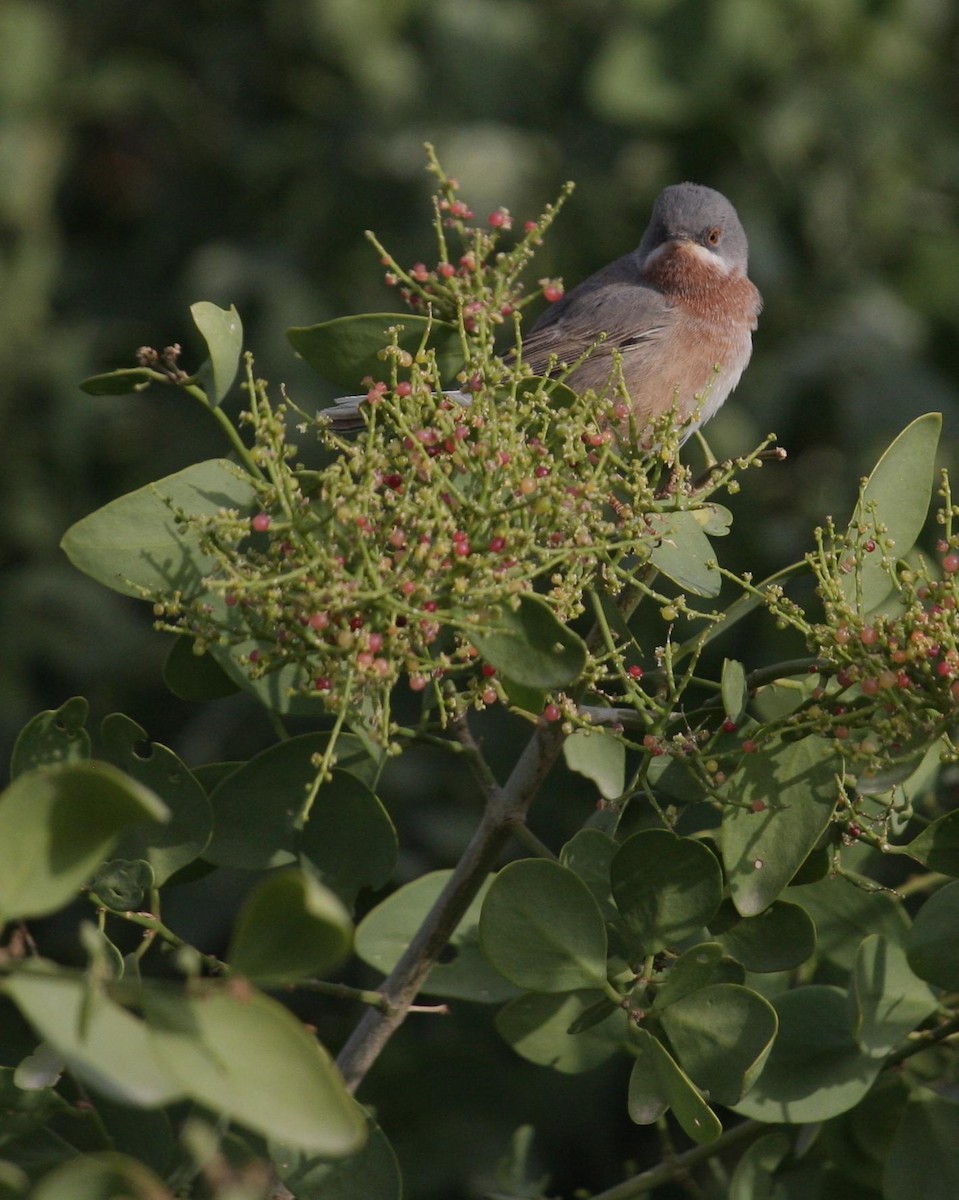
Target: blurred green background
{"x":155,"y":153}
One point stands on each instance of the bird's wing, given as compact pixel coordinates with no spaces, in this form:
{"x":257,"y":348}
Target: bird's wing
{"x":614,"y":302}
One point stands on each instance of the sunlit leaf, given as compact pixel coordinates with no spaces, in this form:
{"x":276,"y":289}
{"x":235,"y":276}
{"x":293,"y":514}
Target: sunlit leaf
{"x":222,"y":331}
{"x":347,"y":349}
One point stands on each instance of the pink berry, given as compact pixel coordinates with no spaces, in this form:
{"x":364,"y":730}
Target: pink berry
{"x":552,"y":712}
{"x":261,"y":522}
{"x":950,"y":564}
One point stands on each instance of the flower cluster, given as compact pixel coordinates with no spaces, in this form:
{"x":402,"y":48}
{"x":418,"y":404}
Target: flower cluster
{"x":893,"y":672}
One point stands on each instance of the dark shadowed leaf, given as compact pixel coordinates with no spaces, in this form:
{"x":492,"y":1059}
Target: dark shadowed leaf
{"x":55,"y":736}
{"x":537,"y":1026}
{"x":371,"y":1173}
{"x":657,"y":1083}
{"x":722,"y":1035}
{"x":185,"y":833}
{"x":531,"y":646}
{"x":195,"y":677}
{"x":932,"y":946}
{"x":666,"y":887}
{"x":386,"y":931}
{"x":347,"y":349}
{"x":815,"y":1069}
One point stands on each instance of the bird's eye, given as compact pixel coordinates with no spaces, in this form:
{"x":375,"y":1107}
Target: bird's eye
{"x":713,"y":236}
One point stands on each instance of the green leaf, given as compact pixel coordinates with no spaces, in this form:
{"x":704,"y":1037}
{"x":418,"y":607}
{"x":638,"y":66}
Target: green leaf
{"x":195,"y":676}
{"x":699,"y":967}
{"x":349,"y":839}
{"x":734,"y":691}
{"x":795,"y":784}
{"x":542,"y":929}
{"x":816,"y":1068}
{"x":119,"y":383}
{"x":684,"y":553}
{"x":54,"y":736}
{"x":289,"y":928}
{"x":754,"y":1174}
{"x":590,"y":854}
{"x":657,"y":1083}
{"x":185,"y":833}
{"x":371,"y":1173}
{"x":931,"y":945}
{"x":246,"y":1056}
{"x":385,"y":933}
{"x":105,"y":1045}
{"x":134,"y":544}
{"x":666,"y":887}
{"x":781,"y":937}
{"x":531,"y":646}
{"x":937,"y":847}
{"x":106,"y":1176}
{"x":122,"y":883}
{"x":845,"y":913}
{"x":889,"y":1000}
{"x":537,"y":1026}
{"x":722,"y":1036}
{"x":896,"y":497}
{"x":57,"y":824}
{"x":925,"y":1142}
{"x":256,"y":808}
{"x":222,"y":331}
{"x":600,"y":756}
{"x":347,"y":349}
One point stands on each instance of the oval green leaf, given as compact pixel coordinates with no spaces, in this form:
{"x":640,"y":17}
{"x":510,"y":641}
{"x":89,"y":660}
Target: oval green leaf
{"x":185,"y":834}
{"x":537,"y":1026}
{"x":896,"y":497}
{"x":667,"y":888}
{"x":785,"y":796}
{"x":932,"y":946}
{"x":372,"y":1173}
{"x":385,"y":933}
{"x":222,"y":331}
{"x":781,"y":937}
{"x":600,"y":756}
{"x":722,"y":1036}
{"x":657,"y":1082}
{"x":816,"y":1069}
{"x":105,"y":1045}
{"x":684,"y":553}
{"x":347,"y":349}
{"x":531,"y":646}
{"x":54,"y":736}
{"x":542,"y":929}
{"x":289,"y":928}
{"x":890,"y":1000}
{"x":244,"y":1055}
{"x":134,"y":544}
{"x":57,"y":824}
{"x":123,"y":382}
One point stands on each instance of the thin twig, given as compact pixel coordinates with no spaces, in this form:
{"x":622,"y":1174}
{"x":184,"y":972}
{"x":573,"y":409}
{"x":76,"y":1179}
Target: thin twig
{"x":506,"y":808}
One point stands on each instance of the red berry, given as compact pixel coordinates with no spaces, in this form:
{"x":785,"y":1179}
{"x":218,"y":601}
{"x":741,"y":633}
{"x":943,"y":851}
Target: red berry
{"x":749,"y":746}
{"x":552,"y":712}
{"x":950,"y":564}
{"x":552,"y":292}
{"x":636,"y":672}
{"x":319,"y":620}
{"x":729,"y":725}
{"x":758,"y":806}
{"x":322,"y":684}
{"x":868,"y":635}
{"x":497,"y":544}
{"x":488,"y":671}
{"x":870,"y":686}
{"x":229,"y":599}
{"x":261,"y":522}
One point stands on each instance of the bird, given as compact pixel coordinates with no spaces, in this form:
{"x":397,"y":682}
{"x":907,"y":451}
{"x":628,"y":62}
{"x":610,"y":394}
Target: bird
{"x":679,"y":311}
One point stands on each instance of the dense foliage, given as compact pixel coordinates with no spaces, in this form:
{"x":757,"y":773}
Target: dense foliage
{"x":510,"y":545}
